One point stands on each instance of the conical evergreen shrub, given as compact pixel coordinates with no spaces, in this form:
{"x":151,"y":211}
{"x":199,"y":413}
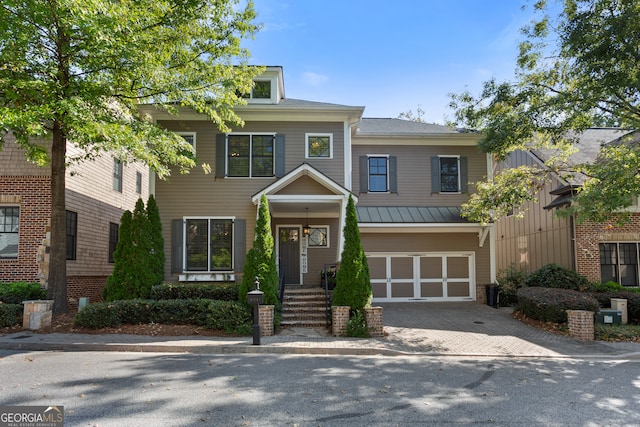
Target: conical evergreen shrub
{"x":353,"y":284}
{"x":261,"y":259}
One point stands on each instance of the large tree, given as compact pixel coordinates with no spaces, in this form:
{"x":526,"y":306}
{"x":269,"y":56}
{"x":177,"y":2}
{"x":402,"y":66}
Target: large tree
{"x":578,"y":67}
{"x":74,"y":71}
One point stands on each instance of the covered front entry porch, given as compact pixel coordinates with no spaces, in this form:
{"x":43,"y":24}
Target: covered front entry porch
{"x":307,"y":217}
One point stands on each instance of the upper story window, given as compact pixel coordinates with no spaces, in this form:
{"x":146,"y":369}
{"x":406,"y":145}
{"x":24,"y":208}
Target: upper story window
{"x":138,"y":183}
{"x":117,"y":175}
{"x":72,"y":234}
{"x":190,"y":137}
{"x":9,"y":227}
{"x":250,"y":155}
{"x":449,"y":174}
{"x":378,"y":174}
{"x":261,"y":91}
{"x":319,"y":146}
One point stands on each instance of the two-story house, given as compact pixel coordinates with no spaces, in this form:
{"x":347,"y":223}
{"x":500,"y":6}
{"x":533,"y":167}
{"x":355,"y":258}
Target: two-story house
{"x":97,"y":193}
{"x":599,"y":251}
{"x":408,"y":180}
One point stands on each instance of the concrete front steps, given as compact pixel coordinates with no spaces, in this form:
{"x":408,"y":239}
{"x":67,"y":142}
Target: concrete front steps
{"x":304,"y":308}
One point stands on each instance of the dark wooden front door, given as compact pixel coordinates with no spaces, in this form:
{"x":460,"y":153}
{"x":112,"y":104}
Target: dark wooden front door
{"x":289,"y":252}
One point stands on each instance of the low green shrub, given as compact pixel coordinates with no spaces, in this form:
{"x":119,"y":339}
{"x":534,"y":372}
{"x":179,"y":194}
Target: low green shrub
{"x":554,"y":276}
{"x":229,"y":316}
{"x":510,"y":279}
{"x":357,"y":325}
{"x":606,"y":287}
{"x":16,"y":292}
{"x":97,"y":316}
{"x":551,"y":304}
{"x":10,"y":314}
{"x":617,"y":332}
{"x":216,"y":291}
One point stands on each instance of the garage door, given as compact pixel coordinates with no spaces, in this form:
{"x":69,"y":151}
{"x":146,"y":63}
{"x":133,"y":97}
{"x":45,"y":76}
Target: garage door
{"x":422,"y":277}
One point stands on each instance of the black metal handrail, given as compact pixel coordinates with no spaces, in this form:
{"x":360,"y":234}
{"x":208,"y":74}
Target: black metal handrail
{"x":325,"y":277}
{"x":280,"y":286}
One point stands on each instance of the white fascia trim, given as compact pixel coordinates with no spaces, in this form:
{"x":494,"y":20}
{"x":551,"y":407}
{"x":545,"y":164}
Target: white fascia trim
{"x":419,"y":228}
{"x":347,"y":156}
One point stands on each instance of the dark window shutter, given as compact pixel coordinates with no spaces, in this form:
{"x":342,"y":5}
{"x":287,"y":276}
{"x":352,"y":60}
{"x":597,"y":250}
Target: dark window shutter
{"x":393,"y":174}
{"x":279,"y":148}
{"x":364,"y":174}
{"x":239,"y":243}
{"x":435,"y":174}
{"x":177,"y":244}
{"x":464,"y":175}
{"x":221,"y":154}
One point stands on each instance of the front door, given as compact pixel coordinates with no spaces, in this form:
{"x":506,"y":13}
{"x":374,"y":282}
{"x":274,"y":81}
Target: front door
{"x":289,"y":254}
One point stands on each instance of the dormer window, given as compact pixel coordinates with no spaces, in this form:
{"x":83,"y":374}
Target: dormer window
{"x":261,"y":89}
{"x":260,"y":92}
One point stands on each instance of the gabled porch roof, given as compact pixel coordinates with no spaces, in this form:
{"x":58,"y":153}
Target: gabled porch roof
{"x":325,"y":202}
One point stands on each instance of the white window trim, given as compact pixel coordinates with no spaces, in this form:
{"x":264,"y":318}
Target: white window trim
{"x":328,"y":245}
{"x":14,"y":232}
{"x":369,"y":156}
{"x":250,"y":134}
{"x":184,"y":245}
{"x":193,"y":134}
{"x":270,"y":100}
{"x":306,"y":145}
{"x":457,"y":157}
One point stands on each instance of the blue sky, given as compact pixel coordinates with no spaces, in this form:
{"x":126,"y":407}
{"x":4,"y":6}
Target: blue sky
{"x":389,"y":56}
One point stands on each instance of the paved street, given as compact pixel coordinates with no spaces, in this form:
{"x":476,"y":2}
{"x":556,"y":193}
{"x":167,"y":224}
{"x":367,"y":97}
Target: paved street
{"x":143,"y":389}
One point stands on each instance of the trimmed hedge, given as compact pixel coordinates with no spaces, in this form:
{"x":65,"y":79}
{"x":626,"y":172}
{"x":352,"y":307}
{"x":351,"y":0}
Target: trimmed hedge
{"x":551,"y":304}
{"x":16,"y":292}
{"x":216,"y":291}
{"x":10,"y":314}
{"x":229,"y":316}
{"x":554,"y":276}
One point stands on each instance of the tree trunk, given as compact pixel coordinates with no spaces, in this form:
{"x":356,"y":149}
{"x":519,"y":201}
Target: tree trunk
{"x":57,"y":283}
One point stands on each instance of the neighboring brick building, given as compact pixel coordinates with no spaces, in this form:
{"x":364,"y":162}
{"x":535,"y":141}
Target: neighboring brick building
{"x":97,"y":193}
{"x":598,"y":251}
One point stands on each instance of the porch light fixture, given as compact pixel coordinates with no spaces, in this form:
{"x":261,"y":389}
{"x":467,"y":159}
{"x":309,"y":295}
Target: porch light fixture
{"x":306,"y":229}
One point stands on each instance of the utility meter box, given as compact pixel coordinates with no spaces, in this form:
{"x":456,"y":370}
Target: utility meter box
{"x":609,"y":317}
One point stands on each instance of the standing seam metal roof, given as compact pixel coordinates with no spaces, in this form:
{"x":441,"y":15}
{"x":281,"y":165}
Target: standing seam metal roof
{"x":409,"y":214}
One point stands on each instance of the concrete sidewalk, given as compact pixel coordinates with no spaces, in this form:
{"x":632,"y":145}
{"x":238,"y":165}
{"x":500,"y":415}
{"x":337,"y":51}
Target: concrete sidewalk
{"x":434,"y":329}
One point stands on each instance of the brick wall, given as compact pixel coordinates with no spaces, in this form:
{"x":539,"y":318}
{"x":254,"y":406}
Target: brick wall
{"x":32,"y":195}
{"x":85,"y":286}
{"x":588,"y":237}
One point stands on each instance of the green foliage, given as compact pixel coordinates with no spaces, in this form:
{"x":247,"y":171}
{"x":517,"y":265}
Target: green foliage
{"x":229,"y":316}
{"x":353,"y":284}
{"x":16,"y":292}
{"x":606,"y":287}
{"x":617,"y":332}
{"x":116,"y":287}
{"x":357,"y":325}
{"x":216,"y":291}
{"x":80,"y":72}
{"x":554,"y":276}
{"x":261,"y":260}
{"x":156,"y":255}
{"x":511,"y":279}
{"x":577,"y":68}
{"x":139,"y":255}
{"x":551,"y":304}
{"x":10,"y":314}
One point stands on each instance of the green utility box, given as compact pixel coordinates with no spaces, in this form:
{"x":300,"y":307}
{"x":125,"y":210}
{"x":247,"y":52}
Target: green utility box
{"x":609,"y":317}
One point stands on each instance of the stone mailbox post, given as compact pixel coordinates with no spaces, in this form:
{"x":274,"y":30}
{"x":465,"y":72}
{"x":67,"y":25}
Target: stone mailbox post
{"x":255,"y":298}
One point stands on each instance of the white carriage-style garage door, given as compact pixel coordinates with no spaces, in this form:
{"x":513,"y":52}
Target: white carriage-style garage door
{"x":441,"y":276}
